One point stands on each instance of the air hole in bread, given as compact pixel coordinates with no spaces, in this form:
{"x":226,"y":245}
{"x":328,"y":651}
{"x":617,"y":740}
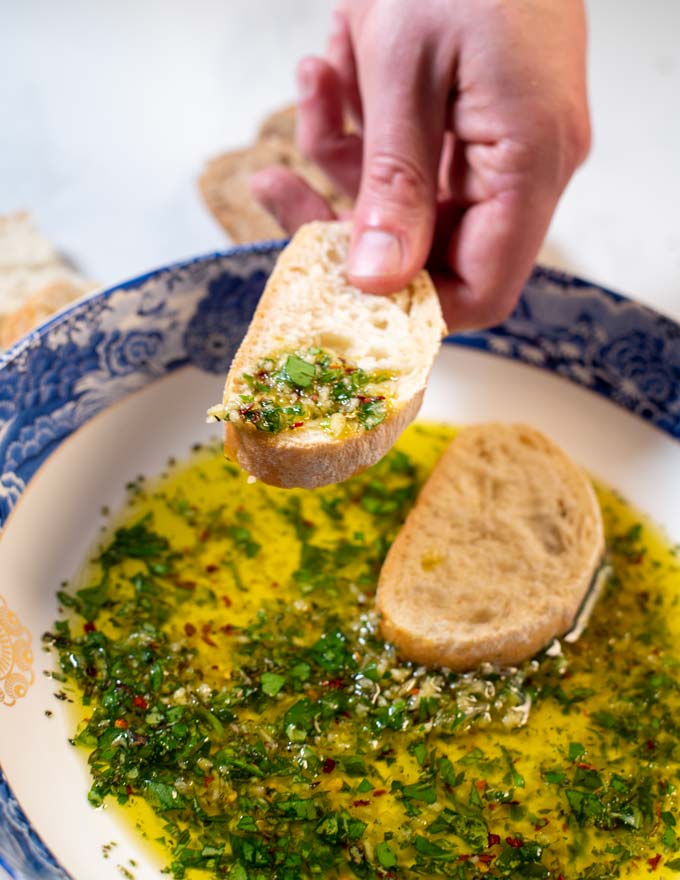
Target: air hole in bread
{"x":380,"y":354}
{"x":335,"y":342}
{"x":548,"y":534}
{"x":379,"y":323}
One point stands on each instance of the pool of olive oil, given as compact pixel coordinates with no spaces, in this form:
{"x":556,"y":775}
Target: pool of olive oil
{"x":238,"y":703}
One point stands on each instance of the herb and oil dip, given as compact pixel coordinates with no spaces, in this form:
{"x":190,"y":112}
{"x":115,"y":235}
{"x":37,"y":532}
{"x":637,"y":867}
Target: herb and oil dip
{"x":238,"y":702}
{"x":309,"y":388}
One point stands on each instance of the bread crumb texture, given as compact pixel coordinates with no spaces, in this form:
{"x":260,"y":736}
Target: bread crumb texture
{"x":498,"y":554}
{"x":35,"y":280}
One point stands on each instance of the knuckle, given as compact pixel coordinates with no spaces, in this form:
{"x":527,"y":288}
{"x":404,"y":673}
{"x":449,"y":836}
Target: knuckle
{"x":397,"y":178}
{"x":567,"y":128}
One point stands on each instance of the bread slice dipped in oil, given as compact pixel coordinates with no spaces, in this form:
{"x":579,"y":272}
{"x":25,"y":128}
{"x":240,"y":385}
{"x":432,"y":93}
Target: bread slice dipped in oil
{"x":498,"y":554}
{"x":327,"y":376}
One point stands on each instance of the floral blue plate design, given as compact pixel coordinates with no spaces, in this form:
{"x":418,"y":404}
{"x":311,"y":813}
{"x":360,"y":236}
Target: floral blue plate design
{"x":118,"y":342}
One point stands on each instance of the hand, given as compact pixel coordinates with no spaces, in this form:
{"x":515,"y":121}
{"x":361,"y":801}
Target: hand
{"x":470,"y":117}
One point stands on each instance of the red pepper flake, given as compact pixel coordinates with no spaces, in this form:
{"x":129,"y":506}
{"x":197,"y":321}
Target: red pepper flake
{"x":379,"y":792}
{"x":275,"y":584}
{"x":211,"y":568}
{"x":328,"y":765}
{"x":189,"y":629}
{"x":227,"y":629}
{"x":494,"y":839}
{"x":208,"y":780}
{"x":361,"y":803}
{"x":541,"y":823}
{"x":486,"y":858}
{"x":203,"y":537}
{"x":333,"y":683}
{"x":654,"y":862}
{"x":561,"y":877}
{"x":140,"y":702}
{"x":480,"y":784}
{"x":121,"y":724}
{"x":651,"y":745}
{"x":226,"y":601}
{"x":583,"y":766}
{"x":414,"y":691}
{"x":465,"y":857}
{"x":89,"y":627}
{"x":206,"y":631}
{"x":186,"y":585}
{"x":298,"y":424}
{"x":514,"y":842}
{"x":128,"y":790}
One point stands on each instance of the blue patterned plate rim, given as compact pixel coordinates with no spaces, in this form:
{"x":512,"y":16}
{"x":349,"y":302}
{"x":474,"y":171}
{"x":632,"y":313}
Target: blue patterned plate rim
{"x":260,"y":247}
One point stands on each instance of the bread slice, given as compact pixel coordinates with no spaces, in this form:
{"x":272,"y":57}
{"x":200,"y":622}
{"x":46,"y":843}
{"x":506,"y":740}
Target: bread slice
{"x":35,"y":280}
{"x":308,"y":302}
{"x":498,"y":554}
{"x":225,"y":181}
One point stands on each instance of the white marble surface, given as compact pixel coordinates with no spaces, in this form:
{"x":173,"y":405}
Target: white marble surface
{"x":109,"y":108}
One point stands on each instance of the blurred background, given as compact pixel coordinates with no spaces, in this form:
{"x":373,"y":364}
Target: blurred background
{"x":109,"y":110}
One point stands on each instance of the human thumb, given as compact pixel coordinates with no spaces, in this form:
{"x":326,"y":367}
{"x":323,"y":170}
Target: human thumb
{"x":394,"y":217}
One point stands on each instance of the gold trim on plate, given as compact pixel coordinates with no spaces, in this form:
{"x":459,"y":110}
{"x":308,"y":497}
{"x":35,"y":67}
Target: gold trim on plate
{"x":16,"y":657}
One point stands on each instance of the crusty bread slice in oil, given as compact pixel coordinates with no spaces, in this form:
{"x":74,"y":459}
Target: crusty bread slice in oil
{"x":498,"y":554}
{"x":308,"y":302}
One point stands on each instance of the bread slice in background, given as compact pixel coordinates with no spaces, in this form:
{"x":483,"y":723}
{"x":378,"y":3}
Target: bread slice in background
{"x":308,"y":302}
{"x":35,"y":281}
{"x":225,"y":181}
{"x":497,"y":555}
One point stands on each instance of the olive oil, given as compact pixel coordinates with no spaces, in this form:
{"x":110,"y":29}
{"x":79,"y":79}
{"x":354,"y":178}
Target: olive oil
{"x":239,"y":703}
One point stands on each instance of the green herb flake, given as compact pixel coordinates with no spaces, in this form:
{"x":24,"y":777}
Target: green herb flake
{"x":300,"y":373}
{"x":271,"y":683}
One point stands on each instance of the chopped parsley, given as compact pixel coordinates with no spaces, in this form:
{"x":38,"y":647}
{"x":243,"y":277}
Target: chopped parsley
{"x":291,"y":390}
{"x":235,"y":680}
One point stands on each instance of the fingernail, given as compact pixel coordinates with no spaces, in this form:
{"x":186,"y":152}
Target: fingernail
{"x":305,"y":82}
{"x":375,"y":254}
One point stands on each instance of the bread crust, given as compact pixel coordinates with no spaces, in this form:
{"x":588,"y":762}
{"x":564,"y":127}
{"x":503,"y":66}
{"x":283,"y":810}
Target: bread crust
{"x":290,"y":466}
{"x":300,"y":458}
{"x":497,"y":556}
